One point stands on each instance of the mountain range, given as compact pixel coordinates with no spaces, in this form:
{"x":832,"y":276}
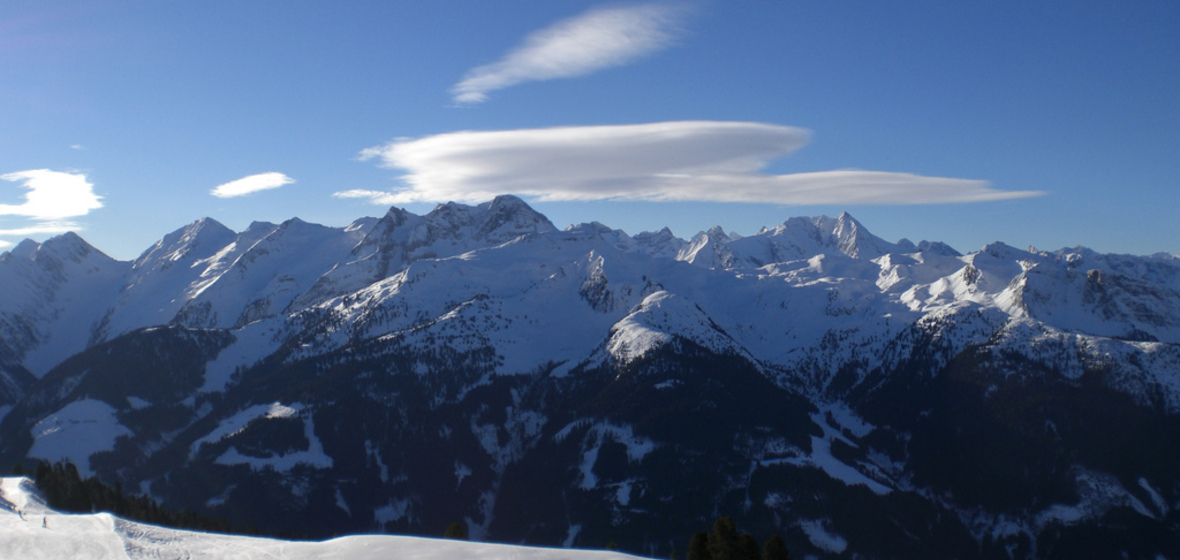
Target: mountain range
{"x":864,"y":398}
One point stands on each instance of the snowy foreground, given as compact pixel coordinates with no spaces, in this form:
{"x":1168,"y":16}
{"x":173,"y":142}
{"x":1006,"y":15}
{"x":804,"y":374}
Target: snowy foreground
{"x":30,"y":530}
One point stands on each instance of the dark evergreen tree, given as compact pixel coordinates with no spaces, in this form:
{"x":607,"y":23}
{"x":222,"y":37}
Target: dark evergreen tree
{"x":723,"y":543}
{"x":775,"y":549}
{"x":65,"y":490}
{"x":747,"y":548}
{"x":457,"y":531}
{"x":698,"y":547}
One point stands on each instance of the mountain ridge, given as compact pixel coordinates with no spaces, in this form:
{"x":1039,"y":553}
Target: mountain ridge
{"x":567,"y":386}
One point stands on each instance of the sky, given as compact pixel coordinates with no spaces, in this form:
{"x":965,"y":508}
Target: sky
{"x":1046,"y":124}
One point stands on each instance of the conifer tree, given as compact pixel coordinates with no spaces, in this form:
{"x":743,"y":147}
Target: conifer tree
{"x":747,"y":548}
{"x":775,"y":549}
{"x":457,"y":531}
{"x":723,"y":543}
{"x":698,"y":547}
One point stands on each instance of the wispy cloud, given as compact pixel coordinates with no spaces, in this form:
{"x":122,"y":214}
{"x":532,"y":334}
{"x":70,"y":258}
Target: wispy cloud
{"x":668,"y":161}
{"x":52,"y":195}
{"x":251,"y":184}
{"x":595,"y":40}
{"x":42,"y":228}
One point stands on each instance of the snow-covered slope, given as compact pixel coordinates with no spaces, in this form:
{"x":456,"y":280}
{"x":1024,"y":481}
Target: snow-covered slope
{"x":30,"y":530}
{"x":54,"y":295}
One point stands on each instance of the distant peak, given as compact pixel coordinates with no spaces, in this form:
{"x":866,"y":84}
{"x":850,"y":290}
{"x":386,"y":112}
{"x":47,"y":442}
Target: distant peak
{"x":938,"y":248}
{"x":205,"y":232}
{"x":255,"y":227}
{"x":294,"y":223}
{"x":68,"y":240}
{"x":1001,"y":250}
{"x":595,"y":226}
{"x":845,"y":222}
{"x":25,"y":249}
{"x":514,"y":214}
{"x":207,"y":222}
{"x":207,"y":226}
{"x":664,"y":232}
{"x":507,"y":200}
{"x":67,"y":245}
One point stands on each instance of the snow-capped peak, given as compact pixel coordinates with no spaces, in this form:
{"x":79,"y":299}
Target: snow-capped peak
{"x":199,"y":240}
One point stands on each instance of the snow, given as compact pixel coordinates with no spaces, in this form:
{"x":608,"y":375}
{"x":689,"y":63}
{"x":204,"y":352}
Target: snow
{"x":461,"y":471}
{"x":623,"y":493}
{"x":499,"y":276}
{"x":571,"y":535}
{"x":314,"y":456}
{"x":138,"y":403}
{"x":75,"y":432}
{"x":341,"y":502}
{"x":54,"y":295}
{"x":821,"y":456}
{"x":1160,"y":503}
{"x":637,"y":448}
{"x":821,"y":450}
{"x":657,"y":319}
{"x":31,"y":531}
{"x":822,"y":538}
{"x":251,"y":344}
{"x":392,"y":511}
{"x":237,"y":422}
{"x":802,"y":300}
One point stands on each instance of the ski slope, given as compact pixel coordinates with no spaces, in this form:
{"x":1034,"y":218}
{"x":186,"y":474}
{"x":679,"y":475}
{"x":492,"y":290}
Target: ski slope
{"x":29,"y":530}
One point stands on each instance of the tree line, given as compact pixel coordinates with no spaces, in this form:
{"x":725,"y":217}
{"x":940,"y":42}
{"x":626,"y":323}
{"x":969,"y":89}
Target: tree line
{"x":65,"y":490}
{"x":725,"y":543}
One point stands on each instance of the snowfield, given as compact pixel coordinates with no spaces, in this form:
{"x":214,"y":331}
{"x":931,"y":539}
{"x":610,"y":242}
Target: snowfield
{"x":29,"y":530}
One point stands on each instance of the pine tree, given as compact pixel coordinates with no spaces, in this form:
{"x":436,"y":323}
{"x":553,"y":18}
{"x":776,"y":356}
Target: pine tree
{"x":747,"y":548}
{"x":698,"y":547}
{"x":457,"y":531}
{"x":775,"y":549}
{"x":723,"y":543}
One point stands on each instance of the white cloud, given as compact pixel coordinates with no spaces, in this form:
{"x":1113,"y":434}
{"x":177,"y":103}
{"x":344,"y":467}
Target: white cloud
{"x":380,"y":198}
{"x":52,"y":195}
{"x":251,"y":184}
{"x":42,"y":228}
{"x":668,"y":161}
{"x":592,"y":41}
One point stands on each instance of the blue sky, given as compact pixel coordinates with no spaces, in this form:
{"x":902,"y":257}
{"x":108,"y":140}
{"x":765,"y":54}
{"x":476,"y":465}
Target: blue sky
{"x":1046,"y":123}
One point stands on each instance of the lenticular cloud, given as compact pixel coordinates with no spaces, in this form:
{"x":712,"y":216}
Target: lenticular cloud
{"x":590,"y":42}
{"x":251,"y":184}
{"x":670,"y":161}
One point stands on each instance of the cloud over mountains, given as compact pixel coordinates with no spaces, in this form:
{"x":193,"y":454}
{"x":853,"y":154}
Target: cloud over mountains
{"x":712,"y":161}
{"x":52,"y":197}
